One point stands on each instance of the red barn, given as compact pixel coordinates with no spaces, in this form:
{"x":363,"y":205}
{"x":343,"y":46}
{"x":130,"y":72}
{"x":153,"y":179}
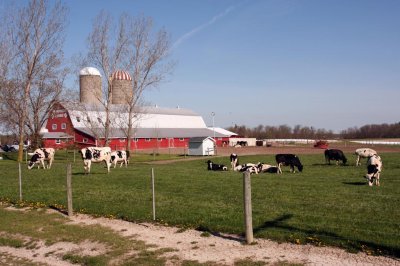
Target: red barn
{"x":79,"y":125}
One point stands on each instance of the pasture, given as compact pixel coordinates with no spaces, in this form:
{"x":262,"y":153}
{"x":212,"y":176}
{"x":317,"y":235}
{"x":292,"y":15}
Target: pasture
{"x":323,"y":205}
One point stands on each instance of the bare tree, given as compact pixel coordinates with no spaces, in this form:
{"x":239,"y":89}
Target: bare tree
{"x":134,"y":48}
{"x":108,"y":52}
{"x":36,"y":34}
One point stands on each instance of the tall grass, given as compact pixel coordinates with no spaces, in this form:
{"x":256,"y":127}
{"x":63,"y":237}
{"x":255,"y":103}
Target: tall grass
{"x":323,"y":205}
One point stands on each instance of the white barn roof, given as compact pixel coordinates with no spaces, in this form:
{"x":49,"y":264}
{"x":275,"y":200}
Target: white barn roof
{"x":150,"y":122}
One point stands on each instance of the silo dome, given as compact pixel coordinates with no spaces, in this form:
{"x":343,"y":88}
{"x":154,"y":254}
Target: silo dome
{"x":90,"y":86}
{"x":89,"y":71}
{"x":121,"y":87}
{"x":121,"y":75}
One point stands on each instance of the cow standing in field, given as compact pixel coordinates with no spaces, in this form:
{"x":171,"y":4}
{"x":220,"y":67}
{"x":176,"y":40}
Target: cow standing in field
{"x":374,"y":168}
{"x":234,"y":161}
{"x":96,"y":155}
{"x":120,"y":156}
{"x":289,"y":160}
{"x":335,"y":155}
{"x":364,"y":153}
{"x":41,"y":155}
{"x":216,"y":167}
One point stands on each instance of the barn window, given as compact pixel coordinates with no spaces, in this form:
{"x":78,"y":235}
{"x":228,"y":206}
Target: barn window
{"x":54,"y":126}
{"x":58,"y":141}
{"x":159,"y":139}
{"x":78,"y":119}
{"x":135,"y":139}
{"x":181,"y":139}
{"x":85,"y":140}
{"x":63,"y":126}
{"x":121,"y":140}
{"x":147,"y":139}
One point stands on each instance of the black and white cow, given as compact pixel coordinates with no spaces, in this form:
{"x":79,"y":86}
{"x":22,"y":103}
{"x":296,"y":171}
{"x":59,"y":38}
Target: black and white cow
{"x":95,"y":155}
{"x":216,"y":167}
{"x":234,"y":161}
{"x":364,"y":153}
{"x":289,"y":160}
{"x":374,"y":168}
{"x":267,"y":168}
{"x":252,"y":168}
{"x":39,"y":156}
{"x":120,"y":156}
{"x":335,"y":155}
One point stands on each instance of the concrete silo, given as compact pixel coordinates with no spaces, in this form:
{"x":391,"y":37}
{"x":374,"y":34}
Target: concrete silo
{"x":121,"y":87}
{"x":90,"y":86}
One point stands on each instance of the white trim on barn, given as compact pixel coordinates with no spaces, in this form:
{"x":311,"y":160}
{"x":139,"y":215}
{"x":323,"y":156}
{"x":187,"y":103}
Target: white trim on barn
{"x":201,"y":146}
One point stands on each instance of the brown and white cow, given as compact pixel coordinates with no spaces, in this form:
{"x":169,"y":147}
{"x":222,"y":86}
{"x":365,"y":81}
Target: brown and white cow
{"x":39,"y":156}
{"x":374,"y":168}
{"x":364,"y":153}
{"x":95,"y":155}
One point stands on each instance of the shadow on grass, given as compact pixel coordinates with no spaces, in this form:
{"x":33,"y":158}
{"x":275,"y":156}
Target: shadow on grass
{"x":355,"y":183}
{"x":351,"y":245}
{"x":203,"y":228}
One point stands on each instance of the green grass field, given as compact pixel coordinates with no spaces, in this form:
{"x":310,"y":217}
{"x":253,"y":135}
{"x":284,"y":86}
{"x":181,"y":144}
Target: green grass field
{"x":323,"y":205}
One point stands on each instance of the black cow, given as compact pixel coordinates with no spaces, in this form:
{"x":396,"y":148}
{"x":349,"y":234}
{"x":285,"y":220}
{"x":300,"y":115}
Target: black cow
{"x":289,"y":160}
{"x":216,"y":167}
{"x":335,"y":155}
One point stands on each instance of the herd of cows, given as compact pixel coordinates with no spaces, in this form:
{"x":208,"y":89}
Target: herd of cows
{"x":374,"y":163}
{"x":89,"y":155}
{"x":104,"y":154}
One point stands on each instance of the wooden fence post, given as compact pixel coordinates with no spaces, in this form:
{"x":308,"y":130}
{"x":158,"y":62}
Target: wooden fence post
{"x":69,"y":190}
{"x":154,"y":195}
{"x":248,"y":219}
{"x":20,"y":181}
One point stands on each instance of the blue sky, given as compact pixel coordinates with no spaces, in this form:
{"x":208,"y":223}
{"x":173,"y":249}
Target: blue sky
{"x":330,"y":64}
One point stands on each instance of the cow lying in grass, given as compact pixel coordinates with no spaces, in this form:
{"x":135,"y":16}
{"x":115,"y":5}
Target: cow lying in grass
{"x":39,"y":156}
{"x":374,"y":168}
{"x":364,"y":153}
{"x":289,"y":160}
{"x":267,"y":168}
{"x":216,"y":167}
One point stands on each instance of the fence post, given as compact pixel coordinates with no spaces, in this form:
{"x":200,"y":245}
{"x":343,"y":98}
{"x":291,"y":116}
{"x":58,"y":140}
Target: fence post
{"x":20,"y":181}
{"x":69,"y":190}
{"x":154,"y":195}
{"x":248,"y":219}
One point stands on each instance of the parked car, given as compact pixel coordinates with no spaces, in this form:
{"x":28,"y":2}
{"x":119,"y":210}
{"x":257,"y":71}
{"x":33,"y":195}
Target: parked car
{"x":12,"y":148}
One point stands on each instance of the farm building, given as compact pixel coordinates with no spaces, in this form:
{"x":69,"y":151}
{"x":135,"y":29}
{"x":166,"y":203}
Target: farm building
{"x":81,"y":123}
{"x":201,"y":146}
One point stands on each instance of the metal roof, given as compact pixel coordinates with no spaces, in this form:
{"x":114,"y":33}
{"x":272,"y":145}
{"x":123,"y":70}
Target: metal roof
{"x":155,"y":132}
{"x":56,"y":135}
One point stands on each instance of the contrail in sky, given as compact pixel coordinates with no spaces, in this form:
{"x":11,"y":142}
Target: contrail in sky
{"x":203,"y":26}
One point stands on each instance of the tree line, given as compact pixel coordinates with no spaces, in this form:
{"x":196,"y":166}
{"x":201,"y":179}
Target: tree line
{"x":306,"y":132}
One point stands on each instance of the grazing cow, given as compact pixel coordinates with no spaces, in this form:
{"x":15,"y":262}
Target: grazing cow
{"x":336,"y":155}
{"x":364,"y":153}
{"x":216,"y":167}
{"x":96,"y":155}
{"x":234,"y":161}
{"x":120,"y":156}
{"x":41,"y":155}
{"x":267,"y":168}
{"x":290,"y":160}
{"x":374,"y":168}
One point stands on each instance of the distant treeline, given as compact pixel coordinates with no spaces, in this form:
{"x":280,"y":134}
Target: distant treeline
{"x":304,"y":132}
